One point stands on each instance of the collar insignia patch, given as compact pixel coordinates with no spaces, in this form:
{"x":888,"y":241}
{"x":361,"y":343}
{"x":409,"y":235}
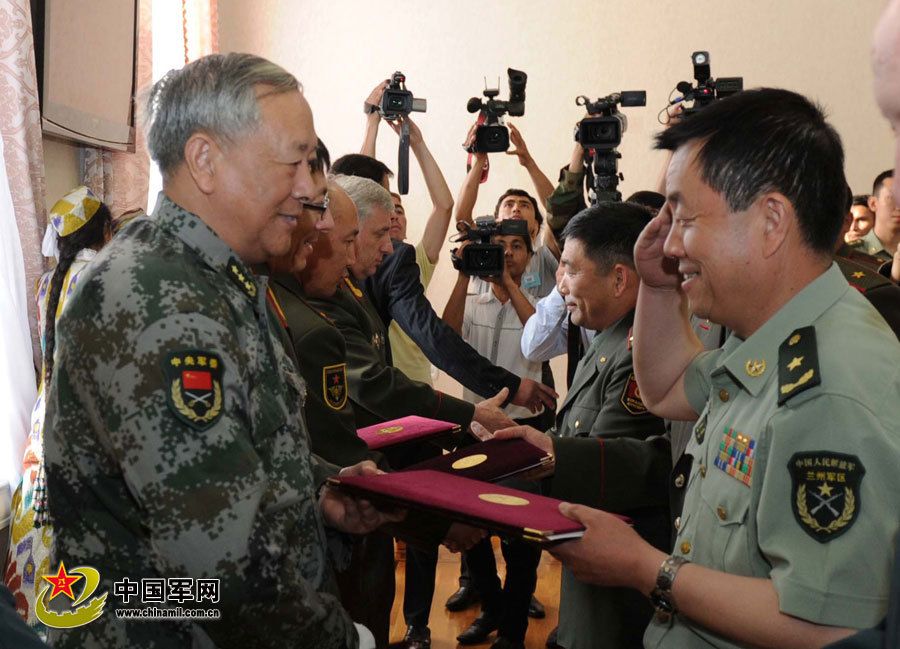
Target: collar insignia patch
{"x":736,"y":455}
{"x":631,"y":397}
{"x":334,"y":385}
{"x":194,"y":387}
{"x":825,"y":494}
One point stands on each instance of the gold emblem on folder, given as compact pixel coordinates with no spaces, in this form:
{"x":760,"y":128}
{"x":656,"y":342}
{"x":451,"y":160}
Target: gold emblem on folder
{"x":469,"y":462}
{"x":503,"y":499}
{"x":387,"y":430}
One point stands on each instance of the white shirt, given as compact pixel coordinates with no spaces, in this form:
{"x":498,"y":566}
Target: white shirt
{"x":546,"y":334}
{"x":495,"y":331}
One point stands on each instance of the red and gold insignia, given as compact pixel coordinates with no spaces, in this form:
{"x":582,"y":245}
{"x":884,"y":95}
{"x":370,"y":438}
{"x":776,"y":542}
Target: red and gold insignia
{"x":631,"y":397}
{"x":62,"y":583}
{"x":194,"y":387}
{"x":334,"y":385}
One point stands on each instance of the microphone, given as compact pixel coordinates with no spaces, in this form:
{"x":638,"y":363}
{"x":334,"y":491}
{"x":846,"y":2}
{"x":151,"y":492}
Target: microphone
{"x":686,"y":90}
{"x":473,"y":105}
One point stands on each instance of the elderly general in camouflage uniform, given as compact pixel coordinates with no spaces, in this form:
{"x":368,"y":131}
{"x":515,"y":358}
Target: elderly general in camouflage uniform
{"x":176,"y":447}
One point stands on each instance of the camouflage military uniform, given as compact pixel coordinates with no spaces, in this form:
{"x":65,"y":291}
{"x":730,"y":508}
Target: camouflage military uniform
{"x":175,"y":446}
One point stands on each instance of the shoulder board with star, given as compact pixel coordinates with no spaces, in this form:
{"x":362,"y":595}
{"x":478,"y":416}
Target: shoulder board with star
{"x":357,"y":292}
{"x":860,"y":277}
{"x":798,"y":364}
{"x":241,"y":277}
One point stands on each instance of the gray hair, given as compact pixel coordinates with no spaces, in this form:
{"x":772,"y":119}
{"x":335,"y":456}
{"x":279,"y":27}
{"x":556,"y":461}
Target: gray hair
{"x":215,"y":94}
{"x":365,"y":194}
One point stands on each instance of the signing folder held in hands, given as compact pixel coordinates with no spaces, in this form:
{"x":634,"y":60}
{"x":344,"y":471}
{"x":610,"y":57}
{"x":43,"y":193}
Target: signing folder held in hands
{"x":480,"y":504}
{"x":490,"y":461}
{"x":406,"y":430}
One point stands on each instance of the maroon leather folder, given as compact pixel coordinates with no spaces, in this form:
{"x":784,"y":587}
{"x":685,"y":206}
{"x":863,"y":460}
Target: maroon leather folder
{"x":490,"y":461}
{"x":404,"y":430}
{"x":480,"y":504}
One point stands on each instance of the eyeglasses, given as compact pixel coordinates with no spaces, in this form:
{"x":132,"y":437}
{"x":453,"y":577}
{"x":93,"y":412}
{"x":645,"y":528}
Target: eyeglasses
{"x":316,"y":207}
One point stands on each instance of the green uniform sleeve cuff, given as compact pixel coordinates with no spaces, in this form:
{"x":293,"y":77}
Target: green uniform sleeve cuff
{"x":833,"y":609}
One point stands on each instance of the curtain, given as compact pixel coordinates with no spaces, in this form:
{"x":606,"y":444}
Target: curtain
{"x":20,"y":124}
{"x":17,"y":376}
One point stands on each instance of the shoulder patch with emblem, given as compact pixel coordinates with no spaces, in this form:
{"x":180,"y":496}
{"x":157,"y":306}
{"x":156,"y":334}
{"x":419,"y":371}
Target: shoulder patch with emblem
{"x":194,"y":387}
{"x":631,"y":397}
{"x":798,"y":364}
{"x":334,"y":385}
{"x":825,"y":494}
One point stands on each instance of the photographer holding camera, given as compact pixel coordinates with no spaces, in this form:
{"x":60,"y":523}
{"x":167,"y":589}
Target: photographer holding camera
{"x":492,"y":323}
{"x":540,"y":275}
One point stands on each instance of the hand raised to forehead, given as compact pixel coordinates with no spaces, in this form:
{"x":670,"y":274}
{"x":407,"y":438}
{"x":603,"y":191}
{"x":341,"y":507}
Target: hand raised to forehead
{"x":656,"y":270}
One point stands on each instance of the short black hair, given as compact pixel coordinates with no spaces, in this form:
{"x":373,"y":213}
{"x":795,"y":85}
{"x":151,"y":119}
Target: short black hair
{"x":769,"y":139}
{"x":653,"y":200}
{"x":322,"y":155}
{"x":521,"y":192}
{"x":860,"y":199}
{"x":879,"y":180}
{"x":608,"y":232}
{"x":363,"y":166}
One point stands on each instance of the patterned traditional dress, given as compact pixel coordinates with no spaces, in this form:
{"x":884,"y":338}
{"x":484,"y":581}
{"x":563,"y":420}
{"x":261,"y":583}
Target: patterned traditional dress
{"x":31,"y":535}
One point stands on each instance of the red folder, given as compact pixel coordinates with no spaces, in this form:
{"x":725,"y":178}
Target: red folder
{"x":490,"y":461}
{"x":405,"y":429}
{"x":481,"y":504}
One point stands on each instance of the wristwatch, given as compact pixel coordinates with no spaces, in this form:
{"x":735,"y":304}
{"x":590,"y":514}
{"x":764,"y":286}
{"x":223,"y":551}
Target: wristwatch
{"x":661,"y":596}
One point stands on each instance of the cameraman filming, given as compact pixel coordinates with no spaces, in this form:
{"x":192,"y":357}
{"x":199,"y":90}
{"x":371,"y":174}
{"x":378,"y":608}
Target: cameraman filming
{"x":540,"y":275}
{"x":492,"y":323}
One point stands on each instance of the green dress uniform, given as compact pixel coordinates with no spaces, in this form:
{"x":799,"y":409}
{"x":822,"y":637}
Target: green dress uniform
{"x":366,"y":585}
{"x":379,"y":391}
{"x":794,"y":477}
{"x":176,"y":449}
{"x":322,"y":360}
{"x":604,"y":404}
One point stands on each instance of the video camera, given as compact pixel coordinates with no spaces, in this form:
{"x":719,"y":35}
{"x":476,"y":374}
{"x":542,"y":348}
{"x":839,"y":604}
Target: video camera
{"x":599,"y":136}
{"x":398,"y":102}
{"x":481,"y":258}
{"x":491,"y":136}
{"x":707,"y":89}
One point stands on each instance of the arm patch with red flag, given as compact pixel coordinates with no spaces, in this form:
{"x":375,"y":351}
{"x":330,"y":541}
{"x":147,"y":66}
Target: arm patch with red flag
{"x":194,"y":387}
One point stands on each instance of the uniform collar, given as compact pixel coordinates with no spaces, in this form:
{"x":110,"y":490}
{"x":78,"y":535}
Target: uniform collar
{"x":754,"y":361}
{"x":872,"y":244}
{"x":200,"y":238}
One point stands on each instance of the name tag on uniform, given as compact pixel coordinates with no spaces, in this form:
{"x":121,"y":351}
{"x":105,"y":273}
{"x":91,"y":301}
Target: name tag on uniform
{"x":531,"y":280}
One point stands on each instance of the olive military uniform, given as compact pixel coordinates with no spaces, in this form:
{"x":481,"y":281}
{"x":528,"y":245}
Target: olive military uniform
{"x":176,"y":447}
{"x":795,"y":454}
{"x":367,"y":584}
{"x":604,"y":403}
{"x":322,"y":360}
{"x":379,"y":391}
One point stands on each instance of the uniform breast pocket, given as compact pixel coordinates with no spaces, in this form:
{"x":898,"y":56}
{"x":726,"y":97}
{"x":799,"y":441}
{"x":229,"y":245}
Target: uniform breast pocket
{"x":581,"y":420}
{"x":268,"y":415}
{"x":725,"y":529}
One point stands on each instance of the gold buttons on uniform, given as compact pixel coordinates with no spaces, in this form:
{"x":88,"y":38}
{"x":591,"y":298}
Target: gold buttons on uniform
{"x":678,"y":522}
{"x":723,"y":394}
{"x":679,"y":480}
{"x":603,"y":359}
{"x":577,"y":423}
{"x":721,"y":513}
{"x":702,"y":470}
{"x":685,"y":547}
